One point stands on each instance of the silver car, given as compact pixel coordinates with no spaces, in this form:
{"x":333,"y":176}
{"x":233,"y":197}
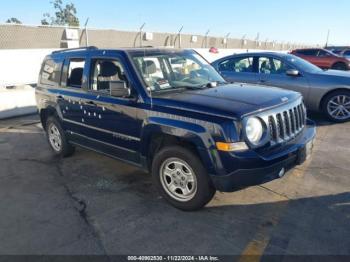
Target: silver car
{"x":326,"y":91}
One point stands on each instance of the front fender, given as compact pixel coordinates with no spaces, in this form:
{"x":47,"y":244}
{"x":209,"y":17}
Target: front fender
{"x":195,"y":133}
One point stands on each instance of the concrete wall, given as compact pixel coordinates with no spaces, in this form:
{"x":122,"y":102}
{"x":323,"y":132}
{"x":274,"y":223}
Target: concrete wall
{"x":25,"y":37}
{"x":17,"y":101}
{"x":21,"y":66}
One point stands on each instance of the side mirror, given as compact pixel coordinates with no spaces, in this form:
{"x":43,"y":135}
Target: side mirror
{"x":119,"y":89}
{"x":292,"y":72}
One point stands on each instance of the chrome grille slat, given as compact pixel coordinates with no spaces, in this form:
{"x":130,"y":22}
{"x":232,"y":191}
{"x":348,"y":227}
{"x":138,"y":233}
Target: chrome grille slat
{"x":297,"y":121}
{"x":287,"y":123}
{"x":292,"y":119}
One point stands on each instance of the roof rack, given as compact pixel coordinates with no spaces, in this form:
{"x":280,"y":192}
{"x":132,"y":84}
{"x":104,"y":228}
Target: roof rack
{"x":75,"y":49}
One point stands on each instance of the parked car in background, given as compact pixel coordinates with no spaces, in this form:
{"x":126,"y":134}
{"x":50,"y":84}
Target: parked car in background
{"x":323,"y":58}
{"x":326,"y":91}
{"x":337,"y":49}
{"x":345,"y":53}
{"x":169,"y":112}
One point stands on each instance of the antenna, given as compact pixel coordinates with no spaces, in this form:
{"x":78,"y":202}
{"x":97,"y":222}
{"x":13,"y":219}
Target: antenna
{"x":143,"y":25}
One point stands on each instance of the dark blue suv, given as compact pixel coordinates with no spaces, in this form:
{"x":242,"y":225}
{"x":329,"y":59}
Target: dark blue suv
{"x":169,"y":112}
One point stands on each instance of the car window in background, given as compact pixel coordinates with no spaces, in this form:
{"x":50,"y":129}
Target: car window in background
{"x":309,"y":52}
{"x":322,"y":53}
{"x":269,"y":65}
{"x":279,"y":66}
{"x":238,"y":65}
{"x":302,"y":64}
{"x":265,"y":66}
{"x":347,"y":54}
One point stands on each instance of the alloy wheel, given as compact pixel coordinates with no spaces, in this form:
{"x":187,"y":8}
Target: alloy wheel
{"x":55,"y":137}
{"x":178,"y":179}
{"x":338,"y":107}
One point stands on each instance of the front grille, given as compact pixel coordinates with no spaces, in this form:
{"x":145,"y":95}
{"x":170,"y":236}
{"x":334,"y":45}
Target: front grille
{"x":286,"y":123}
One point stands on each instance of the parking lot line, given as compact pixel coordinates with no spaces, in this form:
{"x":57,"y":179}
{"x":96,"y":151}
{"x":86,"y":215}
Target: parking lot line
{"x":254,"y":250}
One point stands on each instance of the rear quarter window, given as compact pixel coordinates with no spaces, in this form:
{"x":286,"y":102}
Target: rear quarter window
{"x":51,"y":72}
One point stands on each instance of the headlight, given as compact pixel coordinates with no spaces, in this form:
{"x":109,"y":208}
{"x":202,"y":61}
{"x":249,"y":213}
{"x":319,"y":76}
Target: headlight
{"x":254,"y":130}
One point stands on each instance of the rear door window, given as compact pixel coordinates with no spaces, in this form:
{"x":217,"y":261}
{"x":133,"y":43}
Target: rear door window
{"x":238,"y":65}
{"x":51,"y":72}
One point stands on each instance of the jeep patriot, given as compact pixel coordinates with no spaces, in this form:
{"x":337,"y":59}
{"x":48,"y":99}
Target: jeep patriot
{"x":169,"y":112}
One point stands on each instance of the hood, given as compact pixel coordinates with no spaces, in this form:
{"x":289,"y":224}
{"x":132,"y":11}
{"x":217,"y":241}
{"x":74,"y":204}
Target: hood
{"x":334,"y":73}
{"x":234,"y":100}
{"x":333,"y":78}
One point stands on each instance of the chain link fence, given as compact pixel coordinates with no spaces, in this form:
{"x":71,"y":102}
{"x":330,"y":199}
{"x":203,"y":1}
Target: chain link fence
{"x":32,"y":37}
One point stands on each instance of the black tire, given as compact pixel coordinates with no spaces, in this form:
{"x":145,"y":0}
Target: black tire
{"x":327,"y":100}
{"x":340,"y":66}
{"x":65,"y":149}
{"x":204,"y":189}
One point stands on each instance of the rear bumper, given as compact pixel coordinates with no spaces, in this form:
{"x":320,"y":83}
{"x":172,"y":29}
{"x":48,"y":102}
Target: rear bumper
{"x":265,"y":170}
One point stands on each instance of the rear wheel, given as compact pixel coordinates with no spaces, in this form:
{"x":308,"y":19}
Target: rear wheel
{"x":339,"y":66}
{"x":181,"y":178}
{"x":57,"y":138}
{"x":336,"y":106}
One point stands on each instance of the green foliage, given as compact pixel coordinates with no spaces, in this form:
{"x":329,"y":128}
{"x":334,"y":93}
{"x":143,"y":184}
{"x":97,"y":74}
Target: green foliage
{"x":64,"y":15}
{"x":13,"y":20}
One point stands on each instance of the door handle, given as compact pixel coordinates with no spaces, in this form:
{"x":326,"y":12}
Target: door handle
{"x":262,"y":81}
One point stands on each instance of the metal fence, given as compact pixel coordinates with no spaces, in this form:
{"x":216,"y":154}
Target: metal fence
{"x":27,"y":37}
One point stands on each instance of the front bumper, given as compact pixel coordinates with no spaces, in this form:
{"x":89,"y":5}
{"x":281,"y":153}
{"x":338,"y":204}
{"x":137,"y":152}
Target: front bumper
{"x":262,"y":168}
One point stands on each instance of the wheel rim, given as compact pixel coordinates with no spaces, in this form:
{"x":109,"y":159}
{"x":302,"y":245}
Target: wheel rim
{"x":338,"y":107}
{"x":55,"y":137}
{"x":178,"y":179}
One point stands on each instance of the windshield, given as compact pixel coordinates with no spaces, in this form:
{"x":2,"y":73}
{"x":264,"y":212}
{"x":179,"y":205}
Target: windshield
{"x":302,"y":64}
{"x":179,"y":70}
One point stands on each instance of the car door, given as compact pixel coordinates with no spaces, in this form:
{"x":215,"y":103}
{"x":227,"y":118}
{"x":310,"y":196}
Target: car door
{"x":273,"y":72}
{"x":69,"y":97}
{"x":111,"y":122}
{"x":239,"y":69}
{"x":309,"y":55}
{"x":324,"y":59}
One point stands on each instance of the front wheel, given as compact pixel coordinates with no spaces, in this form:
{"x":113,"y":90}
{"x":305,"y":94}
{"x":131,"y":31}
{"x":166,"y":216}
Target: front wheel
{"x":336,"y":106}
{"x":181,"y":178}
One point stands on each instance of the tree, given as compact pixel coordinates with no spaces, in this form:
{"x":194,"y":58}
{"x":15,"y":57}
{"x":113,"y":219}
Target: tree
{"x":13,"y":20}
{"x":64,"y":15}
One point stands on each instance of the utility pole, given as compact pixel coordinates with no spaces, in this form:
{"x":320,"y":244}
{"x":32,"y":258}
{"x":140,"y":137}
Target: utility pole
{"x":179,"y":36}
{"x":226,"y":40}
{"x":141,"y":28}
{"x":206,"y":38}
{"x":86,"y":32}
{"x":327,"y":37}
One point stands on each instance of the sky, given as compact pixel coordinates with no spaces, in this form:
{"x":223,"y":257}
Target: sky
{"x":304,"y":22}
